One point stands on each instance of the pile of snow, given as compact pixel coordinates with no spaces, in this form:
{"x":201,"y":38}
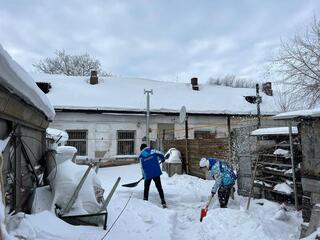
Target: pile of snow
{"x":65,"y":153}
{"x":173,"y":156}
{"x":262,"y":183}
{"x":17,"y":81}
{"x":281,"y":214}
{"x":64,"y":180}
{"x":282,"y":152}
{"x":185,"y":196}
{"x":46,"y":226}
{"x":283,"y":188}
{"x":59,"y":136}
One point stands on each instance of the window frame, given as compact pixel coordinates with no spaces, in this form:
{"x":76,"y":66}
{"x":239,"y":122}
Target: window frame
{"x":78,"y":140}
{"x":126,"y":140}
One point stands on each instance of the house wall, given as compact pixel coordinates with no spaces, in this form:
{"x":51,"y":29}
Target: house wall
{"x":102,"y":129}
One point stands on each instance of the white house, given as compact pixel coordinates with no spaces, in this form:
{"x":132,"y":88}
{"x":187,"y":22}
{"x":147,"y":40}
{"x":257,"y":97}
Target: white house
{"x":105,"y":117}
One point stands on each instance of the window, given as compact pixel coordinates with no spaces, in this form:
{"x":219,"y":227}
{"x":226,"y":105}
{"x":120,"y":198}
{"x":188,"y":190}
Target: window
{"x":125,"y":142}
{"x":204,"y":134}
{"x":78,"y":139}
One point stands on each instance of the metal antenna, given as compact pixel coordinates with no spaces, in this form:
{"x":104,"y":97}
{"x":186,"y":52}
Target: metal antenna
{"x":148,"y":92}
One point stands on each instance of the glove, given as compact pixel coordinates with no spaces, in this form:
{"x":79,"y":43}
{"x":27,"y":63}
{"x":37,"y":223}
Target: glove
{"x":212,"y":194}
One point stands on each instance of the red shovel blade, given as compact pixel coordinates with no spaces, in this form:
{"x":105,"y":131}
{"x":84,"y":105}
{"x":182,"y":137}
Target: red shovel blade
{"x":203,"y":213}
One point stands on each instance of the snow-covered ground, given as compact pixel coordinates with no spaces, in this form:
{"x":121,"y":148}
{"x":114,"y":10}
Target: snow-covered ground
{"x":185,"y":196}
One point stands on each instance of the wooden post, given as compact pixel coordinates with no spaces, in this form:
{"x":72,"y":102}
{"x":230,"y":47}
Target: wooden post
{"x":293,"y":167}
{"x":187,"y":149}
{"x":229,"y":138}
{"x":252,"y":183}
{"x":163,"y":138}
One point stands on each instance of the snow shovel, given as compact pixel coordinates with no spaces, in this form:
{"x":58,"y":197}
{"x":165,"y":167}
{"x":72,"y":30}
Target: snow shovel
{"x":130,"y":185}
{"x":204,"y":211}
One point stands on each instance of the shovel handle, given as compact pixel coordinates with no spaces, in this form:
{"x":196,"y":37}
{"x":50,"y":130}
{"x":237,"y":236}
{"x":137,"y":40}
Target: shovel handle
{"x":207,"y":206}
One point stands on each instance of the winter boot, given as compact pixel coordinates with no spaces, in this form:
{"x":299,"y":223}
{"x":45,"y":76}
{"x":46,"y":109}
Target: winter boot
{"x":163,"y":203}
{"x":232,"y":192}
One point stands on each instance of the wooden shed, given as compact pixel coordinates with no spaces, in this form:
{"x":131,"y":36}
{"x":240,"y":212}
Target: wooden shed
{"x":25,"y":113}
{"x":309,"y":130}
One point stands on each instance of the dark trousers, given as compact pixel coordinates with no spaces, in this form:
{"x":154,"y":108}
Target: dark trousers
{"x":223,"y":195}
{"x":157,"y":182}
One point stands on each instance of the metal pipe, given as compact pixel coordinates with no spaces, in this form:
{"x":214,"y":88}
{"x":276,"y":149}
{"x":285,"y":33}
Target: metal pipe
{"x":258,"y":105}
{"x":148,"y":92}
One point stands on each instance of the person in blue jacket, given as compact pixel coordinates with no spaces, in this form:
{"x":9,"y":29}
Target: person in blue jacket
{"x":149,"y":159}
{"x":224,"y":178}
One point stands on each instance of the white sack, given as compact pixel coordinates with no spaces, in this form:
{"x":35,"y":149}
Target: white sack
{"x":173,"y":155}
{"x":64,"y":180}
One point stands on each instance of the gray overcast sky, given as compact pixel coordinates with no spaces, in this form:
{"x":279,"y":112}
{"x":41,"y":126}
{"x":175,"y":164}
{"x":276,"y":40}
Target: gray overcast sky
{"x":162,"y":40}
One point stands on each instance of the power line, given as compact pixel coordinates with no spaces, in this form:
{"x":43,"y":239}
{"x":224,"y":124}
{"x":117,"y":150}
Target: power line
{"x":117,"y":217}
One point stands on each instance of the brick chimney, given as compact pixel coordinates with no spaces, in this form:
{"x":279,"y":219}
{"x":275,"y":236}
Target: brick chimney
{"x":194,"y":83}
{"x":267,"y":88}
{"x":94,"y":77}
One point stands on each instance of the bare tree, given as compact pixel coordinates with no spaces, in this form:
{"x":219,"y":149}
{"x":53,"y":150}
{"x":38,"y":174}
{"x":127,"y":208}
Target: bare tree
{"x":299,"y":63}
{"x":71,"y":65}
{"x":232,"y":81}
{"x":285,"y":99}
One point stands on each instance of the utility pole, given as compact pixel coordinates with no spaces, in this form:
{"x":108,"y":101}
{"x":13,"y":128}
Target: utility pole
{"x":259,"y":100}
{"x":148,"y":92}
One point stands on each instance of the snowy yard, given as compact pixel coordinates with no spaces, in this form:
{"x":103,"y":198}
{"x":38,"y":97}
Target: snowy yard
{"x":185,"y":196}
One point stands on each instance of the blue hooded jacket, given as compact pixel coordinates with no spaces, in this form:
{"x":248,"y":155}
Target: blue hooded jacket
{"x":222,"y":173}
{"x":149,"y":159}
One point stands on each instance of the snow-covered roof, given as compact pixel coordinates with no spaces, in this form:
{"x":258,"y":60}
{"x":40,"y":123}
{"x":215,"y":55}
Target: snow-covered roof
{"x":295,"y":114}
{"x":274,"y":131}
{"x":16,"y":80}
{"x":127,"y":94}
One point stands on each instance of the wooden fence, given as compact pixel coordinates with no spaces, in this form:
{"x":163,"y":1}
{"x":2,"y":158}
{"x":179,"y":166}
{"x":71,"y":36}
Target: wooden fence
{"x":192,"y":150}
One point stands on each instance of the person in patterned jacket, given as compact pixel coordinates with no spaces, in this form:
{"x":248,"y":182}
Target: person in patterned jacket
{"x":149,"y":159}
{"x":224,"y":178}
